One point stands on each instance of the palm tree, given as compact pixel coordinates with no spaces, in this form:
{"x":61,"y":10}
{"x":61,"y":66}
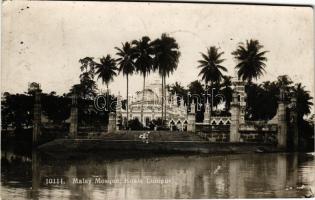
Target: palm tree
{"x":284,"y":82}
{"x":227,"y":91}
{"x":106,"y":70}
{"x":165,"y":61}
{"x":143,"y":61}
{"x":126,"y":66}
{"x":211,"y":67}
{"x":251,"y":60}
{"x":303,"y":100}
{"x":179,"y":90}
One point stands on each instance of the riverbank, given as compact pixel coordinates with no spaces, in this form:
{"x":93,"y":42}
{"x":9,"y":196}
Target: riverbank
{"x":103,"y":145}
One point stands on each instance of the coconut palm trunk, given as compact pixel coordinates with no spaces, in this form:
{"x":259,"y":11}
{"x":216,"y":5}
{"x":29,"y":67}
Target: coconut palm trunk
{"x":127,"y":104}
{"x":162,"y":93}
{"x":211,"y":105}
{"x":166,"y":60}
{"x":142,"y":98}
{"x":164,"y":98}
{"x":127,"y":67}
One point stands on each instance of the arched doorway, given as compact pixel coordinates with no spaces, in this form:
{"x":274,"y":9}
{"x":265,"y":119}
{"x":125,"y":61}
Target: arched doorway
{"x":185,"y":125}
{"x":179,"y":126}
{"x":172,"y":125}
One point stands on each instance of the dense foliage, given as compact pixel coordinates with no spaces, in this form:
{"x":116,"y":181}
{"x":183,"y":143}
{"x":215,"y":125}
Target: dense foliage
{"x":161,"y":55}
{"x":17,"y":110}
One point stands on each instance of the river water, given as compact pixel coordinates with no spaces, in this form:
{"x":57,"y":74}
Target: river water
{"x":96,"y":176}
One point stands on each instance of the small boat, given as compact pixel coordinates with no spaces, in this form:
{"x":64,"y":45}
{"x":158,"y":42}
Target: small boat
{"x":259,"y":151}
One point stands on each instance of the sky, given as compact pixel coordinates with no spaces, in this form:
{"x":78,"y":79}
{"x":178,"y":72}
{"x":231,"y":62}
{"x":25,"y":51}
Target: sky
{"x":42,"y":41}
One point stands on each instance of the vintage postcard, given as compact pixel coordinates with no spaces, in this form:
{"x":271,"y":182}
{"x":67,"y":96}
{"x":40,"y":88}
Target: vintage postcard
{"x":156,"y":100}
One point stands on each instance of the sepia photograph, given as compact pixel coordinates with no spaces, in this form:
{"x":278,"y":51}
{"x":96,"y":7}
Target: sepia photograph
{"x":157,"y":100}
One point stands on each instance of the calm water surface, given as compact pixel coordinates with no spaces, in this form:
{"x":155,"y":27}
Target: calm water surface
{"x":175,"y":176}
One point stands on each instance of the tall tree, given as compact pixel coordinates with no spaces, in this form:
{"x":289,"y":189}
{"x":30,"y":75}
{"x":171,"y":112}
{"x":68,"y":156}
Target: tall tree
{"x":284,"y":82}
{"x":196,"y":91}
{"x":87,"y":87}
{"x":251,"y":60}
{"x":106,"y":70}
{"x":126,"y":56}
{"x":179,"y":90}
{"x":143,"y":61}
{"x":167,"y":53}
{"x":227,"y":91}
{"x":304,"y":100}
{"x":211,"y":68}
{"x":87,"y":66}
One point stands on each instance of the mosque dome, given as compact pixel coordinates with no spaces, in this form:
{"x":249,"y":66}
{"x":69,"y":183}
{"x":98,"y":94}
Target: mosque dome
{"x":149,"y":96}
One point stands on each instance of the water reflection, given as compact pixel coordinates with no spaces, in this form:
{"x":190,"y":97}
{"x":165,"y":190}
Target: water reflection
{"x":35,"y":176}
{"x":220,"y":176}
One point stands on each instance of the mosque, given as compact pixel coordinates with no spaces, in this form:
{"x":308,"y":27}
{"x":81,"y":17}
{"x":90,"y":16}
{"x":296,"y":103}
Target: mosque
{"x":152,"y":107}
{"x":233,"y":128}
{"x":176,"y":113}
